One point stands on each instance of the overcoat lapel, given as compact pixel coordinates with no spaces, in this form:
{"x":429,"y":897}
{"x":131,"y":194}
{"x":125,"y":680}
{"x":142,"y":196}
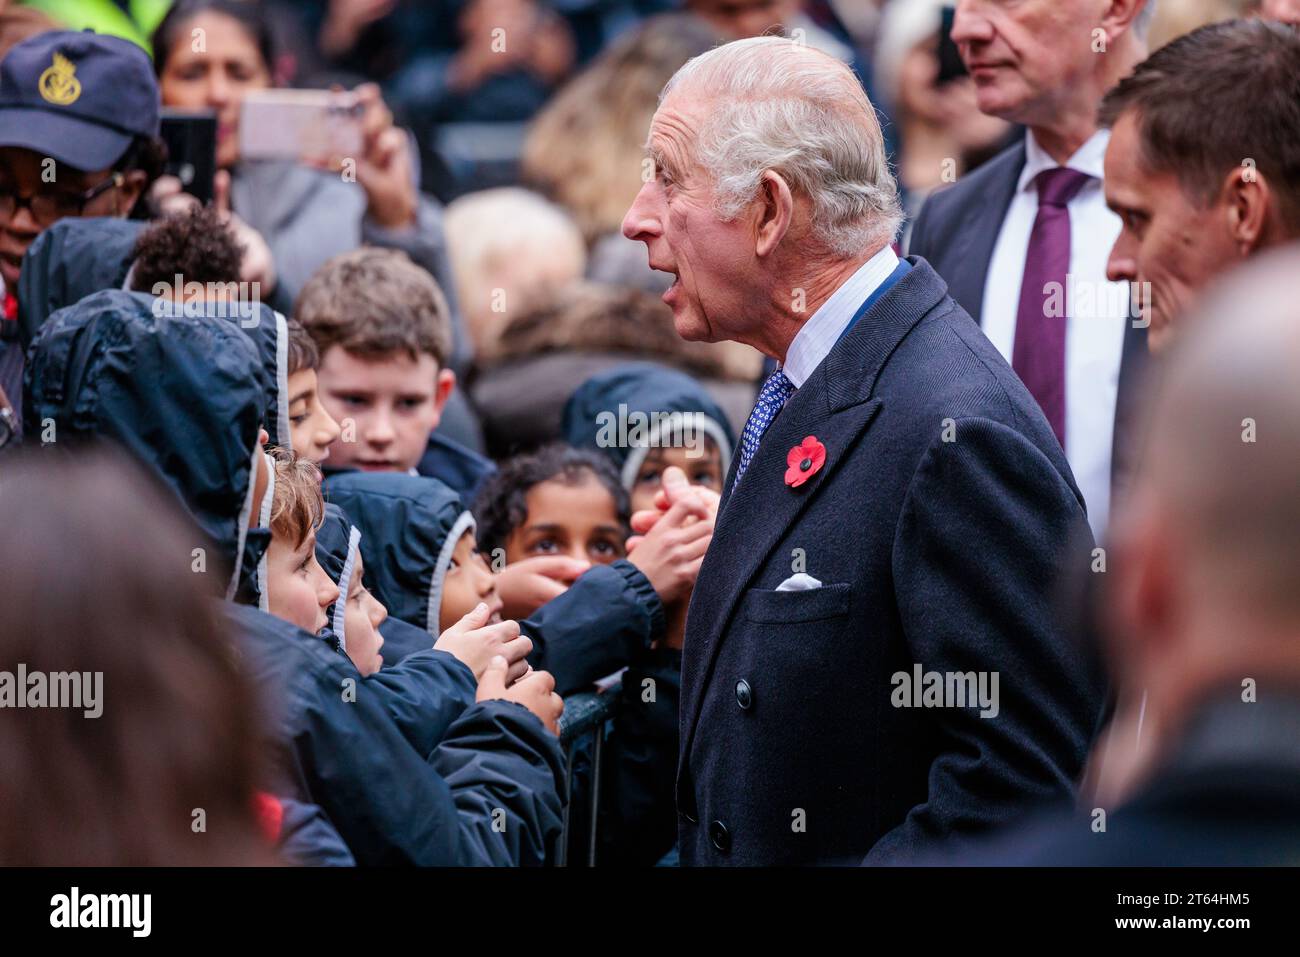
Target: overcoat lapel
{"x":836,"y":406}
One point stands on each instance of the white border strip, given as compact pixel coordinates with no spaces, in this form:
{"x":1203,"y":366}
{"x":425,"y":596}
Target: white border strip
{"x":241,"y":535}
{"x":264,"y":521}
{"x":345,"y":584}
{"x":464,"y":522}
{"x":283,"y":435}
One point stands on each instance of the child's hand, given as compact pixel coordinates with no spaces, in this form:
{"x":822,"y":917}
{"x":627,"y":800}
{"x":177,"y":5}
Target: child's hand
{"x":525,"y":586}
{"x":675,"y":486}
{"x":475,"y":642}
{"x":670,"y":553}
{"x":535,"y":691}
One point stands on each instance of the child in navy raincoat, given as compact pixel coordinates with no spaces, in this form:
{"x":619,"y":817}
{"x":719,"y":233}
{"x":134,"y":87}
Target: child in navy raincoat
{"x":186,"y":396}
{"x":419,"y":546}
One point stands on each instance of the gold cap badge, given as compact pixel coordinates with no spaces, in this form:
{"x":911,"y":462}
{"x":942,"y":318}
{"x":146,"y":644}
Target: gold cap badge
{"x":58,"y":84}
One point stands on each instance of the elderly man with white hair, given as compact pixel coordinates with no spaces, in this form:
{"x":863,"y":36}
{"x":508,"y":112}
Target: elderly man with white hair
{"x":871,"y":669}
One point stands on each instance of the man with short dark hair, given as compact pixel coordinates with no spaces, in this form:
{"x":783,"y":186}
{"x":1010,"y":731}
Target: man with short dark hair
{"x":79,"y":124}
{"x":1203,"y":165}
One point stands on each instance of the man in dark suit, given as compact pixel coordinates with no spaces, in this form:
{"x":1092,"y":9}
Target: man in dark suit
{"x":870,"y":667}
{"x":1023,"y":241}
{"x":1204,"y":604}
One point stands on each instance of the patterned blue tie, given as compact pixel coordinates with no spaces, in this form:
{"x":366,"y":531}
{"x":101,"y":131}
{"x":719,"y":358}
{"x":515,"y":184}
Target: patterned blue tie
{"x":776,"y":390}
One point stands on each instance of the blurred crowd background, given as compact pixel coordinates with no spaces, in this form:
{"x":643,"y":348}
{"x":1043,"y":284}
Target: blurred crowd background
{"x":527,"y":120}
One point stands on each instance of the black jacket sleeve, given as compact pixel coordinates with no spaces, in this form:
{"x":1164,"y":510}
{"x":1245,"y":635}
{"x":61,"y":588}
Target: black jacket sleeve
{"x":338,"y":747}
{"x":609,"y":615}
{"x":638,"y":823}
{"x":506,"y":774}
{"x":986,"y":530}
{"x":424,"y":693}
{"x":307,"y":837}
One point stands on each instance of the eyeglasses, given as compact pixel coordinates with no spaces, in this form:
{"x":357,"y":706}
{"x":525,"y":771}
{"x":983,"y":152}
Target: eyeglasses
{"x":49,"y":208}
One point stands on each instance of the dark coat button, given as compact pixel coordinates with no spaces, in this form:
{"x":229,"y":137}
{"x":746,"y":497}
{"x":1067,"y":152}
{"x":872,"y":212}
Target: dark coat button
{"x":689,"y":816}
{"x":720,"y":836}
{"x":744,"y":694}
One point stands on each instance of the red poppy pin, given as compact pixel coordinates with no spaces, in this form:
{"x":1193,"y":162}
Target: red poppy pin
{"x":804,"y":461}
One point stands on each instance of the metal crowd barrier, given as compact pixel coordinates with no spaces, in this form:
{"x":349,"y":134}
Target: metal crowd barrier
{"x":584,"y":714}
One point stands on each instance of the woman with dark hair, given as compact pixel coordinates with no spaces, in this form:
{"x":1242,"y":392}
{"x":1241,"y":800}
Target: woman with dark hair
{"x":292,"y":217}
{"x":156,"y":761}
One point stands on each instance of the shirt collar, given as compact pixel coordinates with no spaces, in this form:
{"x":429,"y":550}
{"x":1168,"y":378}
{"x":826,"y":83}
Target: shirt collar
{"x":818,"y":335}
{"x":1089,"y":158}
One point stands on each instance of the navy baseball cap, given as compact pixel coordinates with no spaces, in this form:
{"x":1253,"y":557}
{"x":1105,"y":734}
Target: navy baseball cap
{"x":79,"y":97}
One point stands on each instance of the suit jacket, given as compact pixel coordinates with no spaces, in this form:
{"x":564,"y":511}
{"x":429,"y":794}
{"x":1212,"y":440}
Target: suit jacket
{"x":932,"y":552}
{"x":956,"y":231}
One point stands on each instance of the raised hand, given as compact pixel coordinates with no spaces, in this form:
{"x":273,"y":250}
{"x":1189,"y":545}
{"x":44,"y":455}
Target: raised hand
{"x":475,"y":641}
{"x":675,"y":486}
{"x":257,"y":265}
{"x":525,"y":586}
{"x":535,"y":691}
{"x":672,"y":549}
{"x":384,"y":169}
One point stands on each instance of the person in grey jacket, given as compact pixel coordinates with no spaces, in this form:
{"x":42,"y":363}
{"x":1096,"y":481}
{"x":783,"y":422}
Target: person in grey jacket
{"x":292,"y":217}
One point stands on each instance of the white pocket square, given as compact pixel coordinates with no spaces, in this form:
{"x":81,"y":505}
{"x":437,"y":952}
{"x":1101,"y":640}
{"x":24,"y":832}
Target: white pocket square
{"x":799,"y":582}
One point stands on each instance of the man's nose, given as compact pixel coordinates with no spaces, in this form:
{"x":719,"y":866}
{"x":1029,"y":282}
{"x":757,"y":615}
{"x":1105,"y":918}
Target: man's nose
{"x":969,"y":23}
{"x":640,"y":222}
{"x":1121,"y":265}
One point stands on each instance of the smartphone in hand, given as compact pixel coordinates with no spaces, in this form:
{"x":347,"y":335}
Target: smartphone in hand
{"x":311,"y":126}
{"x":191,"y":138}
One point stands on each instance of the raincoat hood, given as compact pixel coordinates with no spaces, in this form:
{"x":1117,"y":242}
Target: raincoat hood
{"x":338,"y":542}
{"x":409,"y":528}
{"x":70,"y":260}
{"x":77,"y":257}
{"x":183,"y":394}
{"x":627,"y":410}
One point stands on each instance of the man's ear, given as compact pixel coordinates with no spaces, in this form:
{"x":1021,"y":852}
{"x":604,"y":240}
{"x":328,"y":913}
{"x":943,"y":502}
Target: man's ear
{"x":1119,"y":16}
{"x":133,"y":184}
{"x":1246,"y":200}
{"x":776,"y":212}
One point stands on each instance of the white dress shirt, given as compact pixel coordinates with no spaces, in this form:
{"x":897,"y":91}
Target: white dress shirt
{"x":1097,"y":310}
{"x":819,"y":334}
